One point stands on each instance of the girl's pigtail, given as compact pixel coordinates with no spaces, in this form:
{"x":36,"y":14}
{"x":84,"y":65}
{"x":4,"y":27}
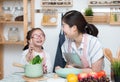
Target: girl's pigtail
{"x":26,"y":47}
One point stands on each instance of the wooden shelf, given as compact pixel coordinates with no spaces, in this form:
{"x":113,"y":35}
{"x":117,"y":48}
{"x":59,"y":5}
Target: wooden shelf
{"x":56,"y":3}
{"x":104,"y":3}
{"x":98,"y":18}
{"x":12,"y":22}
{"x":114,"y":23}
{"x":105,"y":19}
{"x":110,"y":19}
{"x":8,"y":20}
{"x":11,"y":42}
{"x":49,"y":20}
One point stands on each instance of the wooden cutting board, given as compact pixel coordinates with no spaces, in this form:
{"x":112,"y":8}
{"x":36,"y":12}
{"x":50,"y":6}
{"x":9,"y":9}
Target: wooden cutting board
{"x":29,"y":79}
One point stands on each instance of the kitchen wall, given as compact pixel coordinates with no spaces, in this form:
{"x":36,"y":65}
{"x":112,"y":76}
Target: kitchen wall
{"x":108,"y":35}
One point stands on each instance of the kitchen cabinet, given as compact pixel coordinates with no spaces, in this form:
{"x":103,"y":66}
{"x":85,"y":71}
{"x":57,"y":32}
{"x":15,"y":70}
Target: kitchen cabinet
{"x":8,"y":16}
{"x":5,"y":22}
{"x":103,"y":3}
{"x":113,"y":17}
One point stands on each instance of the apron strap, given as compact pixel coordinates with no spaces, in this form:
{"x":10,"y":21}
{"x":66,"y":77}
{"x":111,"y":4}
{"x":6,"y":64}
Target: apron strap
{"x":83,"y":57}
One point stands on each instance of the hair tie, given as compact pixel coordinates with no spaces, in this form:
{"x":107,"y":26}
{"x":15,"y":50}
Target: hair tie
{"x":86,"y":27}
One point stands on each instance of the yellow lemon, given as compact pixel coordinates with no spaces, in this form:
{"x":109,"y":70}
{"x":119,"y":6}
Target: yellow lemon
{"x":72,"y":78}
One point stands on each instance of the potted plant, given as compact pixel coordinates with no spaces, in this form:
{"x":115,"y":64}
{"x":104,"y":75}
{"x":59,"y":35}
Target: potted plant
{"x":88,"y":14}
{"x":115,"y":67}
{"x":115,"y":63}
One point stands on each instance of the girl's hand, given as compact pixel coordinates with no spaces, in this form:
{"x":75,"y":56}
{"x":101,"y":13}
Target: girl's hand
{"x":31,"y":46}
{"x":30,"y":54}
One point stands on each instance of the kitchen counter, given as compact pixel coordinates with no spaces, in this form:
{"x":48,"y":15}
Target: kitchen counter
{"x":19,"y":77}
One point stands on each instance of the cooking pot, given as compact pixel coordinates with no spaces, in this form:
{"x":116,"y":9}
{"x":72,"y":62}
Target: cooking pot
{"x":31,"y":70}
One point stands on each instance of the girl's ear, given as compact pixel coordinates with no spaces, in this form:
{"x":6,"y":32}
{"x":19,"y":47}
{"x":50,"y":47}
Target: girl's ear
{"x":30,"y":41}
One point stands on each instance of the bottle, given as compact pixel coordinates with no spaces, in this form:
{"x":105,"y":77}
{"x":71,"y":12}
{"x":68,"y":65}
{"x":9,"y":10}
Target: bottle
{"x":115,"y":15}
{"x":111,"y":15}
{"x":13,"y":34}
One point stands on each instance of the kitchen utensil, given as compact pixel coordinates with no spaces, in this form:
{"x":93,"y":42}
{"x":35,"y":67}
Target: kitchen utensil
{"x":118,"y":53}
{"x":108,"y":54}
{"x":63,"y":72}
{"x":31,"y":70}
{"x":27,"y":79}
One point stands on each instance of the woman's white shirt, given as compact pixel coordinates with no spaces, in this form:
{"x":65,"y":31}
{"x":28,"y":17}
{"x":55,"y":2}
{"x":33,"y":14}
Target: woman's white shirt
{"x":94,"y":49}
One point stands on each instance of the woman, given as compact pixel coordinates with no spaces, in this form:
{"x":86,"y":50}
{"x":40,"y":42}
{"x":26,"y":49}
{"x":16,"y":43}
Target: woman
{"x":81,"y":40}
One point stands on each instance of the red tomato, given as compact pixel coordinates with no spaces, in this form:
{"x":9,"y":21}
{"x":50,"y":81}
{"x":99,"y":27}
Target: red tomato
{"x":93,"y":74}
{"x":82,"y":75}
{"x":101,"y":73}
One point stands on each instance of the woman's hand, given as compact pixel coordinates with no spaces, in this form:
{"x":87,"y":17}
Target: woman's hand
{"x":98,"y":65}
{"x":69,"y":66}
{"x":57,"y":67}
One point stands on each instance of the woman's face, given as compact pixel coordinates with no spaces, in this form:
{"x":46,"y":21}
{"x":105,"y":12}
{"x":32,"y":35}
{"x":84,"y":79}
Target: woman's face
{"x":38,"y":38}
{"x":68,"y":31}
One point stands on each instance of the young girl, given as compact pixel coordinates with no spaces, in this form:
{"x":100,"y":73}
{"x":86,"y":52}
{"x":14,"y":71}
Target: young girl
{"x":81,"y":39}
{"x":35,"y":40}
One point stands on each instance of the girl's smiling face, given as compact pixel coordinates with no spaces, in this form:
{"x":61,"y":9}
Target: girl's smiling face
{"x":38,"y":38}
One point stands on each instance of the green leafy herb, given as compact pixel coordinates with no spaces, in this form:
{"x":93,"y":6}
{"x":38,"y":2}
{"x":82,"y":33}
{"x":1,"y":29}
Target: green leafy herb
{"x":116,"y":67}
{"x":36,"y":60}
{"x":88,"y":12}
{"x":115,"y":17}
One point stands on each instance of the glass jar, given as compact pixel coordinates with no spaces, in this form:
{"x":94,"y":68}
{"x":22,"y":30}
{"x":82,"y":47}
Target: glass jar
{"x":13,"y":34}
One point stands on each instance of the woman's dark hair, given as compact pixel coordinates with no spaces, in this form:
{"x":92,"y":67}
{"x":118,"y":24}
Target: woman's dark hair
{"x":28,"y":37}
{"x":74,"y":17}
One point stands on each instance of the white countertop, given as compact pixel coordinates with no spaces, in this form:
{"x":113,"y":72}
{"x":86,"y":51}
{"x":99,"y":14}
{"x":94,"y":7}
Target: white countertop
{"x":18,"y":77}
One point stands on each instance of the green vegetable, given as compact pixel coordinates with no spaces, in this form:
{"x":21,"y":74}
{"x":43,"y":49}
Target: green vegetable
{"x":88,"y":12}
{"x":115,"y":17}
{"x":116,"y":67}
{"x":36,"y":60}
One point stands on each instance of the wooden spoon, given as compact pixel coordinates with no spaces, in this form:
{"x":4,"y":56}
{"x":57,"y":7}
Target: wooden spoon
{"x":108,"y":54}
{"x":118,"y":54}
{"x":18,"y":65}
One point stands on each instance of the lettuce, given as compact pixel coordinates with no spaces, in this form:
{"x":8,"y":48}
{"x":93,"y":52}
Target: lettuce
{"x":36,"y":60}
